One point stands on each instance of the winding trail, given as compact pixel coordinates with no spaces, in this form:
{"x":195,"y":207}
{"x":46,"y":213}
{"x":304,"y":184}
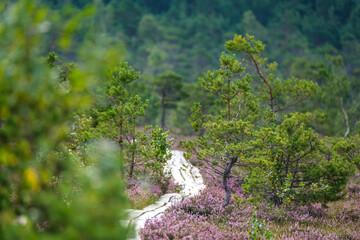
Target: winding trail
{"x":186,"y":175}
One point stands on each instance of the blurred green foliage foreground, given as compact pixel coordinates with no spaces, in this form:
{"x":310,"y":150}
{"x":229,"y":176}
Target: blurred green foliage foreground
{"x":44,"y":192}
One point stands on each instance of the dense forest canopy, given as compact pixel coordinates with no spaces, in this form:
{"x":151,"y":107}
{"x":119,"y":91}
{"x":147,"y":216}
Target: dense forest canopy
{"x":185,"y":37}
{"x":205,"y":25}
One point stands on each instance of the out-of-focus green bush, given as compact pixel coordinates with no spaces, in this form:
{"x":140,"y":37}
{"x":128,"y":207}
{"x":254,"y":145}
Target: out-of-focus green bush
{"x":44,"y":192}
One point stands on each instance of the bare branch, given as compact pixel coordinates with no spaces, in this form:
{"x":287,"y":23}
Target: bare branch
{"x":265,"y":81}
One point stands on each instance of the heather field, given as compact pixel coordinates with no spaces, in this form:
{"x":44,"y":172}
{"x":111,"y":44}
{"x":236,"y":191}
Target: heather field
{"x":203,"y":217}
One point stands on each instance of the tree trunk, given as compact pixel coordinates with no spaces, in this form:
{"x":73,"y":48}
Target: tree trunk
{"x":271,"y":97}
{"x":228,"y":101}
{"x":163,"y":112}
{"x":132,"y":165}
{"x":121,"y":139}
{"x":228,"y":108}
{"x":346,"y":118}
{"x":225,"y":178}
{"x":121,"y":122}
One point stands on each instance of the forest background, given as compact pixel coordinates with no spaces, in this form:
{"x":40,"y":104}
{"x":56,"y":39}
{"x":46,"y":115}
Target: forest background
{"x":310,"y":39}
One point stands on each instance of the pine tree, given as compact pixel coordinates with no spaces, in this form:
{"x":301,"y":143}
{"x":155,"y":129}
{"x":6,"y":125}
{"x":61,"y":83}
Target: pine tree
{"x":280,"y":152}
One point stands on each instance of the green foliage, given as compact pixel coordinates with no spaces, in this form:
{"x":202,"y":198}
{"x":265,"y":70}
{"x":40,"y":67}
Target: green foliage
{"x":281,"y":154}
{"x":149,"y":29}
{"x":118,"y":121}
{"x":65,"y":70}
{"x":298,"y":165}
{"x":337,"y":95}
{"x":347,"y":148}
{"x":187,"y":36}
{"x":157,"y":151}
{"x":258,"y":230}
{"x":169,"y":87}
{"x":45,"y":193}
{"x":280,"y":94}
{"x":126,"y":15}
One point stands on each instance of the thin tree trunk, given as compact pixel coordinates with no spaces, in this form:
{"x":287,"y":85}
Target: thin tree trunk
{"x":121,"y":139}
{"x":225,"y":180}
{"x":228,"y":108}
{"x":121,"y":132}
{"x":163,"y":112}
{"x":228,"y":101}
{"x":132,"y":165}
{"x":231,"y":163}
{"x":271,"y":97}
{"x":346,"y":118}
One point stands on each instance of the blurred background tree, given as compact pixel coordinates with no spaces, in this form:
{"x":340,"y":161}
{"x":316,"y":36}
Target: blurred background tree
{"x":170,"y":89}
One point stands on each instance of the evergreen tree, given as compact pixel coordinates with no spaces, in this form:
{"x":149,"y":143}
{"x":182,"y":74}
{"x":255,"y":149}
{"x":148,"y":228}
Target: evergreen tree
{"x":283,"y":156}
{"x":169,"y":87}
{"x":118,"y":121}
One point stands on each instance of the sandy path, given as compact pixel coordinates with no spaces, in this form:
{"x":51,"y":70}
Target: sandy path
{"x":186,"y":175}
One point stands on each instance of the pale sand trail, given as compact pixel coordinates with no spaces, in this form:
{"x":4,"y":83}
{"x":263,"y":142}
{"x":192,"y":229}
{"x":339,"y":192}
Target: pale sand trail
{"x":186,"y":175}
